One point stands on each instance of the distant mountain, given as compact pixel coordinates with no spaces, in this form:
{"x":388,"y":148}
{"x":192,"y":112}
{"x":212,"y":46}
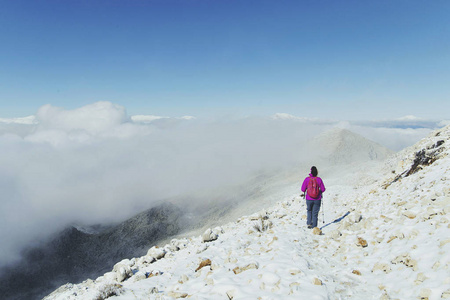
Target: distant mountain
{"x":74,"y":254}
{"x":340,"y":146}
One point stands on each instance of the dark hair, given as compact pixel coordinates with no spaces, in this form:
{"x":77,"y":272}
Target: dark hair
{"x":314,"y":171}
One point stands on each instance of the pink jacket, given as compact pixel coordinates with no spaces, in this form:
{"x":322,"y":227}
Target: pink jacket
{"x":321,"y":187}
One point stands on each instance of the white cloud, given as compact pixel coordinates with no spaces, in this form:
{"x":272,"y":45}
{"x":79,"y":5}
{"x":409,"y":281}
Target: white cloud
{"x":284,"y":116}
{"x":409,"y":118}
{"x":30,"y":120}
{"x":444,"y":123}
{"x":94,"y":118}
{"x":96,"y":164}
{"x":146,"y":118}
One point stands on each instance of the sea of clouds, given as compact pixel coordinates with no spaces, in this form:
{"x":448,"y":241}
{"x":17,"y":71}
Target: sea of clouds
{"x":96,"y":164}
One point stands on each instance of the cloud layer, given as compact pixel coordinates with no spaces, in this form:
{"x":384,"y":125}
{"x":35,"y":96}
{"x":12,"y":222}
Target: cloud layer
{"x":96,"y":164}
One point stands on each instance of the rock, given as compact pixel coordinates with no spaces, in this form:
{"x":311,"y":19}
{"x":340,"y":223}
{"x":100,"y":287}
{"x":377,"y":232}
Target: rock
{"x":153,"y":273}
{"x":174,"y":294}
{"x":425,"y":293}
{"x":204,"y":263}
{"x":183,"y":279}
{"x":391,"y":239}
{"x":123,"y":270}
{"x":443,"y":243}
{"x":146,"y":260}
{"x":238,"y":270}
{"x":254,"y":217}
{"x":354,"y":217}
{"x":316,"y":231}
{"x":420,"y":278}
{"x":317,"y":281}
{"x":367,"y":224}
{"x":383,"y":267}
{"x":171,"y":248}
{"x":406,"y":260}
{"x":334,"y":234}
{"x":138,"y":276}
{"x":230,"y":294}
{"x":231,"y":260}
{"x":209,"y":236}
{"x":295,"y":271}
{"x":361,"y":242}
{"x":356,"y":272}
{"x":156,"y":252}
{"x":202,"y":248}
{"x":409,"y":214}
{"x":430,"y":213}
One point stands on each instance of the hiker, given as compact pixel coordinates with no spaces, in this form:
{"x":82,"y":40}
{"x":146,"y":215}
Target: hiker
{"x":313,"y":188}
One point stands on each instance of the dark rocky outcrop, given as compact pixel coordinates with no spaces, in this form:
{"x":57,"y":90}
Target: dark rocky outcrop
{"x":73,"y":255}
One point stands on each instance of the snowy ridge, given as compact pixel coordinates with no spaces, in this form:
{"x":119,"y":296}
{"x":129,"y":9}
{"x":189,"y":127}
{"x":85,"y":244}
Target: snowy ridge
{"x":341,"y":146}
{"x":393,"y":244}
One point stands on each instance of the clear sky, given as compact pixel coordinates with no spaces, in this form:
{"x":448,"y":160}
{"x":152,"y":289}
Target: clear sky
{"x":330,"y":59}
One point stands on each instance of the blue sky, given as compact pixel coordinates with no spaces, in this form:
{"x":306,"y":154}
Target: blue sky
{"x":353,"y":60}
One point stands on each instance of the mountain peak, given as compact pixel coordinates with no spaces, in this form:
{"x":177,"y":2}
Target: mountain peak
{"x":342,"y":146}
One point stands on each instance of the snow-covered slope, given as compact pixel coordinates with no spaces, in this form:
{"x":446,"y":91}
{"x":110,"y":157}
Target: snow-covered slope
{"x":391,"y":240}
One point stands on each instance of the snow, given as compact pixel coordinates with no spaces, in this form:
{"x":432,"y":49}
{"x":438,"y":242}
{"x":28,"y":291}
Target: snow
{"x":394,"y":243}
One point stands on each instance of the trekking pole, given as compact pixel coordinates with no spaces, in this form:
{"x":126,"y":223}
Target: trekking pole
{"x":323,"y":214}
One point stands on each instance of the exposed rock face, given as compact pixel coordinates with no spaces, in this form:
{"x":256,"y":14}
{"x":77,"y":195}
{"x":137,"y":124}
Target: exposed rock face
{"x":73,"y":255}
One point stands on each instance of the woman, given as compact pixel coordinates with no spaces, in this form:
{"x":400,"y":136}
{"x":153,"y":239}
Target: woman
{"x":313,"y":187}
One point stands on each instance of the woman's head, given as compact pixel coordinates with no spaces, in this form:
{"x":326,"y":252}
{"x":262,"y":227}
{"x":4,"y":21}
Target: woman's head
{"x":314,"y":171}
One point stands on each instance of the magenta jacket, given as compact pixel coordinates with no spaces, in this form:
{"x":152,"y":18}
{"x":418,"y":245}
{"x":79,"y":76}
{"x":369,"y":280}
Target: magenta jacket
{"x":321,"y":187}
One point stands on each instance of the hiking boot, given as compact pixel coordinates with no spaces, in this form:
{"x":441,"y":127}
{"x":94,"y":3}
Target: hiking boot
{"x":310,"y":227}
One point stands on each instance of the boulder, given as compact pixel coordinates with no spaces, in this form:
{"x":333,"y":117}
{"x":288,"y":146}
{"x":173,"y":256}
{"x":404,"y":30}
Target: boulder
{"x":209,"y":236}
{"x":156,"y":252}
{"x":122,"y":270}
